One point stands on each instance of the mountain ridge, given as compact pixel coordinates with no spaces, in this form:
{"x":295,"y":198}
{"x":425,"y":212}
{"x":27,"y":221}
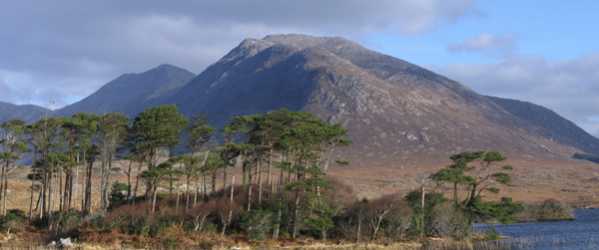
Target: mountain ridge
{"x":131,"y":93}
{"x":395,"y":111}
{"x":415,"y":111}
{"x":25,"y":112}
{"x":548,"y":123}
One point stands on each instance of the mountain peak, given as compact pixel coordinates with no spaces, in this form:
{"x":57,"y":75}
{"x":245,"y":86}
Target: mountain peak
{"x":131,"y":93}
{"x":167,"y":68}
{"x":306,"y":40}
{"x":251,"y":46}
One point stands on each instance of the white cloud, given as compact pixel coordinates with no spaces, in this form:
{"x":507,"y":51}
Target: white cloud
{"x":44,"y":90}
{"x":71,"y":47}
{"x":486,"y":43}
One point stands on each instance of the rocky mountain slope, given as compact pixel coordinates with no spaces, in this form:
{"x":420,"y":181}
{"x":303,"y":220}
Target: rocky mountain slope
{"x":395,"y":111}
{"x":132,"y":93}
{"x":28,"y":113}
{"x":547,"y":123}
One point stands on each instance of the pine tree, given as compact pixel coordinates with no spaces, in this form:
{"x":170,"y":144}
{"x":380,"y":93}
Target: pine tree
{"x":12,"y":146}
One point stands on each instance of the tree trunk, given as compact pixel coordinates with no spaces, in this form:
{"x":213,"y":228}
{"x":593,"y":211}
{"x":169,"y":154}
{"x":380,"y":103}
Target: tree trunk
{"x":32,"y":185}
{"x":87,"y":203}
{"x":76,"y":180}
{"x":136,"y":182}
{"x":105,"y":186}
{"x":31,"y":199}
{"x":225,"y":177}
{"x":269,"y":176}
{"x":472,"y":194}
{"x":129,"y":171}
{"x":43,"y":194}
{"x":50,"y":194}
{"x":61,"y":193}
{"x":108,"y":183}
{"x":359,"y":229}
{"x":281,"y":177}
{"x":69,"y":189}
{"x":213,"y":181}
{"x":187,"y":194}
{"x":5,"y":190}
{"x":455,"y":193}
{"x":250,"y":189}
{"x":296,"y":215}
{"x":171,"y":184}
{"x":277,"y":227}
{"x":231,"y":200}
{"x":197,"y":191}
{"x":2,"y":187}
{"x":177,"y":200}
{"x":151,"y":166}
{"x":204,"y":187}
{"x":249,"y":205}
{"x":154,"y":197}
{"x":244,"y":175}
{"x":422,"y":204}
{"x":260,"y":181}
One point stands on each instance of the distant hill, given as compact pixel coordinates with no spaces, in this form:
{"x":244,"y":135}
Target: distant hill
{"x":547,"y":123}
{"x":586,"y":157}
{"x":28,"y":113}
{"x":132,"y":93}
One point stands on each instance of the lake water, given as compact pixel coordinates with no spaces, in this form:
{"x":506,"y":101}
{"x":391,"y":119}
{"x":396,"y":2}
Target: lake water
{"x":580,"y":234}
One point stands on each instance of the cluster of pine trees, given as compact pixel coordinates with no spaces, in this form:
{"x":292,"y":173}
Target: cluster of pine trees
{"x":280,"y":150}
{"x":263,"y":175}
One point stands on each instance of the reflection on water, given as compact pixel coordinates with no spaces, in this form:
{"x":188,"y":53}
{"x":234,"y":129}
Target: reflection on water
{"x":580,"y":234}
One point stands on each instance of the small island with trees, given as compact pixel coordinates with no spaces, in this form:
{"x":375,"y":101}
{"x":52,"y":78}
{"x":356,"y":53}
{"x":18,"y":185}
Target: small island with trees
{"x":259,"y":181}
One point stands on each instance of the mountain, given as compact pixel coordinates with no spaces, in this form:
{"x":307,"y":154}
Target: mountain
{"x":549,"y":124}
{"x":132,"y":93}
{"x":395,"y":111}
{"x":28,"y":113}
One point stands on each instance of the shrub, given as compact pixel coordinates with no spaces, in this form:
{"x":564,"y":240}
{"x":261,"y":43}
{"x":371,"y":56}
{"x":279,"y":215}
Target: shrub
{"x":502,"y":211}
{"x":423,"y":219}
{"x":172,"y":237}
{"x":118,"y":195}
{"x":447,"y":220}
{"x":386,"y":217}
{"x":552,"y":209}
{"x":130,"y":219}
{"x":397,"y":223}
{"x":13,"y":221}
{"x":257,"y":224}
{"x":547,"y":210}
{"x":319,"y":218}
{"x":492,"y":234}
{"x":197,"y":216}
{"x":165,"y":219}
{"x":65,"y":223}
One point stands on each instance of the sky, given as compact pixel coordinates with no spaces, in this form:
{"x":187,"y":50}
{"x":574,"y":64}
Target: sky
{"x":547,"y":52}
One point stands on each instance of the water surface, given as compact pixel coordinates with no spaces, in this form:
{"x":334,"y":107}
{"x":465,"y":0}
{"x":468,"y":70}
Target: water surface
{"x":580,"y":234}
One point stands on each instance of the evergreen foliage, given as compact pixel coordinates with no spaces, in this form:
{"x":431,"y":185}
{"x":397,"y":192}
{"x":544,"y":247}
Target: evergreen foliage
{"x":266,"y":178}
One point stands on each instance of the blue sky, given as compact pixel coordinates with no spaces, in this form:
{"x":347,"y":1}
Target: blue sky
{"x":557,"y":30}
{"x":547,"y":39}
{"x":546,"y":52}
